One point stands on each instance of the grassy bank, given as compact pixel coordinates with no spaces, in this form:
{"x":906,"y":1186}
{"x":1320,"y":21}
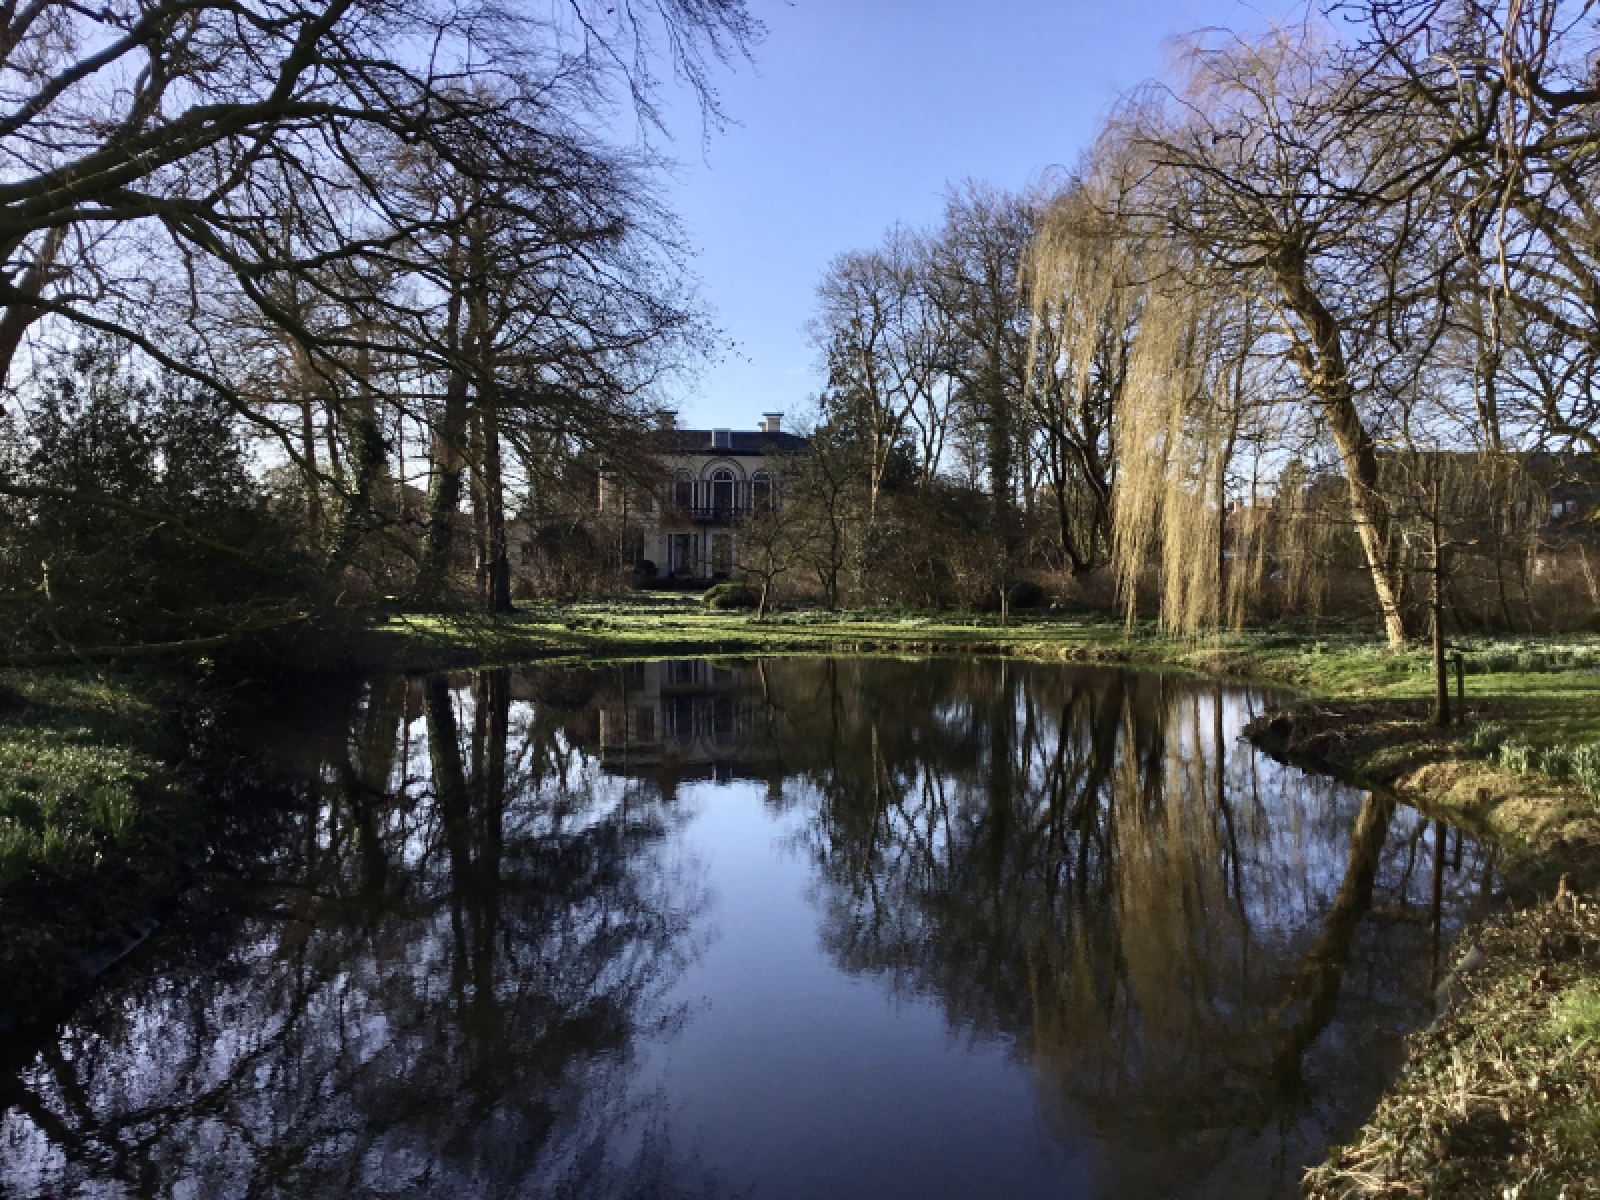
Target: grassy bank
{"x":95,"y":825}
{"x":1498,"y":1098}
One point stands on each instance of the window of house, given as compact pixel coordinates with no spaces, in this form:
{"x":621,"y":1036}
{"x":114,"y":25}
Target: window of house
{"x":722,"y":490}
{"x":633,"y":545}
{"x":683,"y":490}
{"x":682,"y":553}
{"x":721,"y":439}
{"x":761,"y":490}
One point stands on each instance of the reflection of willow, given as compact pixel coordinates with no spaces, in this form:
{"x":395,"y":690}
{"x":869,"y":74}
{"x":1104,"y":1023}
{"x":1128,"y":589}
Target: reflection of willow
{"x":1071,"y":858}
{"x":468,"y":942}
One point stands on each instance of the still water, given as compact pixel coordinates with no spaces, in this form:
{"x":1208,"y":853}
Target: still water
{"x":773,"y":929}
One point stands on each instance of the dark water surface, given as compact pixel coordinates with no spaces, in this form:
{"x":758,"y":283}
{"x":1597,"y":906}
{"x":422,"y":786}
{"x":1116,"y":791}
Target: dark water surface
{"x":789,"y":928}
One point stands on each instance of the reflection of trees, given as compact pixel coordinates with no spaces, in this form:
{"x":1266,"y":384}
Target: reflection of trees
{"x":466,"y":935}
{"x":469,"y":928}
{"x":1077,"y":860}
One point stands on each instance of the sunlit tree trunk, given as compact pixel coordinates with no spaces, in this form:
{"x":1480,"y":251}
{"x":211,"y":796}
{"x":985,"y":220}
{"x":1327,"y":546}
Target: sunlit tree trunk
{"x":1327,"y":377}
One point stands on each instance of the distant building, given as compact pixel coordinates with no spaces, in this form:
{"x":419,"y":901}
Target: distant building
{"x":714,"y":478}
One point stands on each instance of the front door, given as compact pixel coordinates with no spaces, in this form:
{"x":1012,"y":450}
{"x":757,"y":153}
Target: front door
{"x":721,"y":553}
{"x":684,"y":558}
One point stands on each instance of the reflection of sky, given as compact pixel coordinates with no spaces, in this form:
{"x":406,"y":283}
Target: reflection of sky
{"x":799,"y":1080}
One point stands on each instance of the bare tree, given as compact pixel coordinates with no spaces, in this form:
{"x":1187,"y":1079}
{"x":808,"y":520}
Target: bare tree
{"x":169,"y":168}
{"x":1274,"y":182}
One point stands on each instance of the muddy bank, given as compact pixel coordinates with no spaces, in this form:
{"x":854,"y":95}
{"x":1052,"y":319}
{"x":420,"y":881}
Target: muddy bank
{"x":1499,"y":1096}
{"x":1546,"y":830}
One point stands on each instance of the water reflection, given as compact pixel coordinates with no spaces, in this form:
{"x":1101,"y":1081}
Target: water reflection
{"x":440,"y":993}
{"x":488,"y":910}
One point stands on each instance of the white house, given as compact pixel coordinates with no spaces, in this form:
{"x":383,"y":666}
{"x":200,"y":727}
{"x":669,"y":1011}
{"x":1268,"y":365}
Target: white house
{"x":715,"y":477}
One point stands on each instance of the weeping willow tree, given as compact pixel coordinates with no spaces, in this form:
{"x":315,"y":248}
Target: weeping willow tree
{"x":1258,"y":325}
{"x":1182,"y":401}
{"x":1171,"y":374}
{"x":1085,"y":276}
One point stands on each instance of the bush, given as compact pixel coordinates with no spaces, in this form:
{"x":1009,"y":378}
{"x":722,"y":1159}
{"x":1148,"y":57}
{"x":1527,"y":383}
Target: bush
{"x":731,"y":596}
{"x":1556,"y":763}
{"x":167,"y":535}
{"x":1488,"y":738}
{"x":1519,"y":757}
{"x":1586,"y":769}
{"x":1026,"y":594}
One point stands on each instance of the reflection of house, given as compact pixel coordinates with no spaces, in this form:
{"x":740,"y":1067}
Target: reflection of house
{"x":684,"y":717}
{"x":715,"y":478}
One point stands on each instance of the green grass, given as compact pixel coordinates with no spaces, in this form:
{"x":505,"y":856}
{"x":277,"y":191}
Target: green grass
{"x":1577,"y":1015}
{"x":74,"y":759}
{"x":1550,"y":696}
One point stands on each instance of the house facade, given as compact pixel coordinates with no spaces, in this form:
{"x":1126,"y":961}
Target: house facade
{"x":713,"y":480}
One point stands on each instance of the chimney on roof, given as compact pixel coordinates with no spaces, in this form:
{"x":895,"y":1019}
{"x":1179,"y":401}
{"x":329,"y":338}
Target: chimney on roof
{"x":771,"y":422}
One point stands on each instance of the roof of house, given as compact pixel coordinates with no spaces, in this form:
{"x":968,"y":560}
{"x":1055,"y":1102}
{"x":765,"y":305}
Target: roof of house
{"x":740,"y":441}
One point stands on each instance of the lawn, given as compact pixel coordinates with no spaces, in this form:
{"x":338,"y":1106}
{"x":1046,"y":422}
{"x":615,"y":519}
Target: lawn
{"x":1547,"y":687}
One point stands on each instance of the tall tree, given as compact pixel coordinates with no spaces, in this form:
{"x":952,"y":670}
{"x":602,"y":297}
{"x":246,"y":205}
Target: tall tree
{"x":1274,"y":182}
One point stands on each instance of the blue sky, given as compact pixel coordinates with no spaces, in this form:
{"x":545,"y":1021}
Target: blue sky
{"x":856,"y":114}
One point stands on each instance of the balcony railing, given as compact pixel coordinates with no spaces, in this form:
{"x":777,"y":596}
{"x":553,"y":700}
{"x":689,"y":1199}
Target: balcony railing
{"x":716,"y":514}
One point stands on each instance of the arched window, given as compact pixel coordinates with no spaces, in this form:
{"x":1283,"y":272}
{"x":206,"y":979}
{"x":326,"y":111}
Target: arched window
{"x":761,"y":490}
{"x":683,"y":491}
{"x":722,"y":490}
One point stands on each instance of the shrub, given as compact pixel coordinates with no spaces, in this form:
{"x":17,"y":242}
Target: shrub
{"x":1586,"y":769}
{"x":731,"y":596}
{"x":1026,"y":594}
{"x":1556,"y":763}
{"x":1519,"y":757}
{"x":1488,"y":738}
{"x":179,"y":539}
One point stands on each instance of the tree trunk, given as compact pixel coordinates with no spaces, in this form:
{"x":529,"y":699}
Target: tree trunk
{"x":479,"y":493}
{"x":368,"y":460}
{"x":308,"y":448}
{"x":1327,"y":377}
{"x":444,"y":493}
{"x":19,"y":314}
{"x":494,"y":503}
{"x":1441,"y":681}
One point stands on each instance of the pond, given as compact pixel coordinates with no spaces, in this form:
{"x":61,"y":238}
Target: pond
{"x":775,"y":928}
